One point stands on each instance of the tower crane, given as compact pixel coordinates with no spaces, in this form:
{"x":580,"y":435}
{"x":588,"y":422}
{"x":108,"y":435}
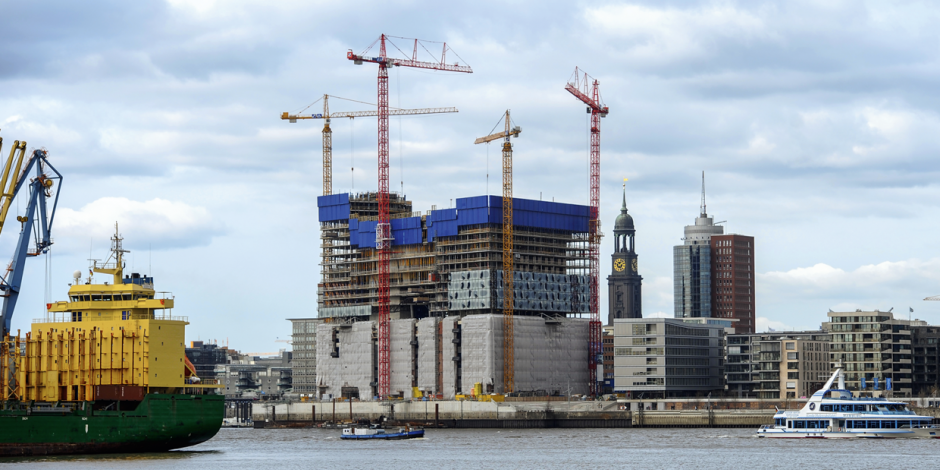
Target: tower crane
{"x":328,"y":133}
{"x":508,"y":347}
{"x":383,"y":232}
{"x":40,"y":188}
{"x":587,"y":89}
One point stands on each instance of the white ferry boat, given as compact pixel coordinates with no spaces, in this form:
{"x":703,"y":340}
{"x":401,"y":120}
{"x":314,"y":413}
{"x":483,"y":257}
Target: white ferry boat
{"x":836,"y":413}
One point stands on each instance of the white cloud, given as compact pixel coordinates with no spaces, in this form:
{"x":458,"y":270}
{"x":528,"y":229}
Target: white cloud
{"x":822,"y":279}
{"x":764,"y":324}
{"x":670,"y":35}
{"x":659,"y":315}
{"x":159,"y":223}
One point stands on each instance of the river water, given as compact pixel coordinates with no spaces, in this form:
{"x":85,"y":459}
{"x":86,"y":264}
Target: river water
{"x":525,"y":449}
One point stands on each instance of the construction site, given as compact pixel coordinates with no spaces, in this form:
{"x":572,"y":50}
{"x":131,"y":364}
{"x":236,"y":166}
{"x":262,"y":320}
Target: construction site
{"x":496,"y":296}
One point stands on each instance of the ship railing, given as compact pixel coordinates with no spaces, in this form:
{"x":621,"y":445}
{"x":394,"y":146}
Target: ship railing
{"x":55,"y":317}
{"x":164,"y":315}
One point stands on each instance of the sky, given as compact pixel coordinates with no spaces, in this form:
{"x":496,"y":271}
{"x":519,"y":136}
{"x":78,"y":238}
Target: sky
{"x":816,"y":124}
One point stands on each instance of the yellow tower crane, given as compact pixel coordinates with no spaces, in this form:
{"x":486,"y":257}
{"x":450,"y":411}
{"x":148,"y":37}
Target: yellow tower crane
{"x":509,"y":366}
{"x":328,"y":133}
{"x":8,"y":184}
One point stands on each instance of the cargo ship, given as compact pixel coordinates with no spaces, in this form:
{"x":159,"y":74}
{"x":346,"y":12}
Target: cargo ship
{"x":104,"y":371}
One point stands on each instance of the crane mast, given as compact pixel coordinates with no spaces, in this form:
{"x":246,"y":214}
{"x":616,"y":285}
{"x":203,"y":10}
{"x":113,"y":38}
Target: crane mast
{"x":383,"y":233}
{"x":37,"y":214}
{"x":587,"y":89}
{"x":509,"y":366}
{"x":328,"y":132}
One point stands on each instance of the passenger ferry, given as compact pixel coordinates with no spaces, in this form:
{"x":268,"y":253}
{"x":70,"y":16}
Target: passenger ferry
{"x":836,"y":413}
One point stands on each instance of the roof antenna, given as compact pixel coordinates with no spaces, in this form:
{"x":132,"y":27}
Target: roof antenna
{"x":704,"y":212}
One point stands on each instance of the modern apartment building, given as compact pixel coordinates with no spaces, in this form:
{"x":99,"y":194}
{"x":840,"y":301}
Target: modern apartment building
{"x":926,"y":359}
{"x":777,"y":365}
{"x":876,"y":347}
{"x":666,"y":357}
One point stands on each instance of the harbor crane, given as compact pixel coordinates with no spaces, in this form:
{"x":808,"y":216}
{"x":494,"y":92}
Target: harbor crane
{"x":587,"y":90}
{"x":328,"y":133}
{"x":508,"y":337}
{"x":383,"y":232}
{"x":37,"y":213}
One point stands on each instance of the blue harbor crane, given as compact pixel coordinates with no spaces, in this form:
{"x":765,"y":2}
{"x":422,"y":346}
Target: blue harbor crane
{"x":36,"y":223}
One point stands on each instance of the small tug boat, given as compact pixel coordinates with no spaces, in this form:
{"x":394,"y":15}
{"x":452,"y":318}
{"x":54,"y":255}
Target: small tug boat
{"x":835,"y":413}
{"x":376,"y":432}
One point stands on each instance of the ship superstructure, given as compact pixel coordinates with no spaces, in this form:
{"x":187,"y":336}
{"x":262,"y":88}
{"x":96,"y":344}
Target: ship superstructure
{"x":105,"y":371}
{"x":837,"y":413}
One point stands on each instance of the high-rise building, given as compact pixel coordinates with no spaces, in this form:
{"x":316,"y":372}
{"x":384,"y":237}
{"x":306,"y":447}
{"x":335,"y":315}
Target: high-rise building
{"x":624,"y":285}
{"x":692,"y":266}
{"x":713,"y":273}
{"x":732,"y":264}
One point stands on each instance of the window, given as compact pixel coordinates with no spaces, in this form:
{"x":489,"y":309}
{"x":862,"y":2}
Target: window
{"x":791,"y":346}
{"x":793,"y":356}
{"x":791,"y":384}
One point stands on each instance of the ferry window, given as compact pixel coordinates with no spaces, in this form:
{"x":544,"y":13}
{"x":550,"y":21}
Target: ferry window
{"x":127,"y":296}
{"x":825,"y":408}
{"x":799,"y":424}
{"x":873,"y":425}
{"x":848,"y":424}
{"x":860,"y":408}
{"x":887,"y":424}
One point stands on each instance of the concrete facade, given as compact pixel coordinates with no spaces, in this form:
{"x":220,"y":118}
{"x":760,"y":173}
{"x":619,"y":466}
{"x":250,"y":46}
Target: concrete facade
{"x":447,"y":357}
{"x":304,"y":363}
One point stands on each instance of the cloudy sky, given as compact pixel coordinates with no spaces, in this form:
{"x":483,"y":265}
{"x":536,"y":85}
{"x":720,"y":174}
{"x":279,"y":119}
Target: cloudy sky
{"x":816,"y":123}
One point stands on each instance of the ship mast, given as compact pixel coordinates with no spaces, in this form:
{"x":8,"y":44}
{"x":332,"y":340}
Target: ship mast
{"x":117,"y":252}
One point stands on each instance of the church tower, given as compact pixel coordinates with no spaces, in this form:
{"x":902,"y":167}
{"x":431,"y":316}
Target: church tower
{"x":624,"y":283}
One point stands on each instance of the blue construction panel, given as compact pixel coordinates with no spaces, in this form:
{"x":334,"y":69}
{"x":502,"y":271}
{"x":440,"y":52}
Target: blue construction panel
{"x":333,"y":200}
{"x":333,"y":213}
{"x":526,"y":213}
{"x":406,"y":231}
{"x":353,"y":231}
{"x":333,"y":207}
{"x":367,"y":234}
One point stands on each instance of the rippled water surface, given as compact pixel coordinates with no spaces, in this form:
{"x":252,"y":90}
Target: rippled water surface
{"x":530,"y":448}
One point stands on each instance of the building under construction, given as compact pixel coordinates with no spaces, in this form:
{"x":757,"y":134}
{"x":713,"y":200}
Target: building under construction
{"x":446,"y":297}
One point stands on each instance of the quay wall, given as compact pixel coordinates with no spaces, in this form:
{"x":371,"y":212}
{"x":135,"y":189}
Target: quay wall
{"x":472,"y":414}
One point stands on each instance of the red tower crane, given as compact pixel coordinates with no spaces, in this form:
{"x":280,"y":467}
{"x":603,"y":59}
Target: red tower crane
{"x":587,"y":89}
{"x":383,"y":230}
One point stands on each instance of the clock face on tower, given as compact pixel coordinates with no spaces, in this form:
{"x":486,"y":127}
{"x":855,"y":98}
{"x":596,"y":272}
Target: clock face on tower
{"x":634,"y":265}
{"x":620,"y":265}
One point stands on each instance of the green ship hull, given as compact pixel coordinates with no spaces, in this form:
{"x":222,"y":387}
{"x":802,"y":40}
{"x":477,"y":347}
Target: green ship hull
{"x":157,"y":423}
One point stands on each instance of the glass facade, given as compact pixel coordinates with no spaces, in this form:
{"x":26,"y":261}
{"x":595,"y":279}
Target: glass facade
{"x":692,"y":281}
